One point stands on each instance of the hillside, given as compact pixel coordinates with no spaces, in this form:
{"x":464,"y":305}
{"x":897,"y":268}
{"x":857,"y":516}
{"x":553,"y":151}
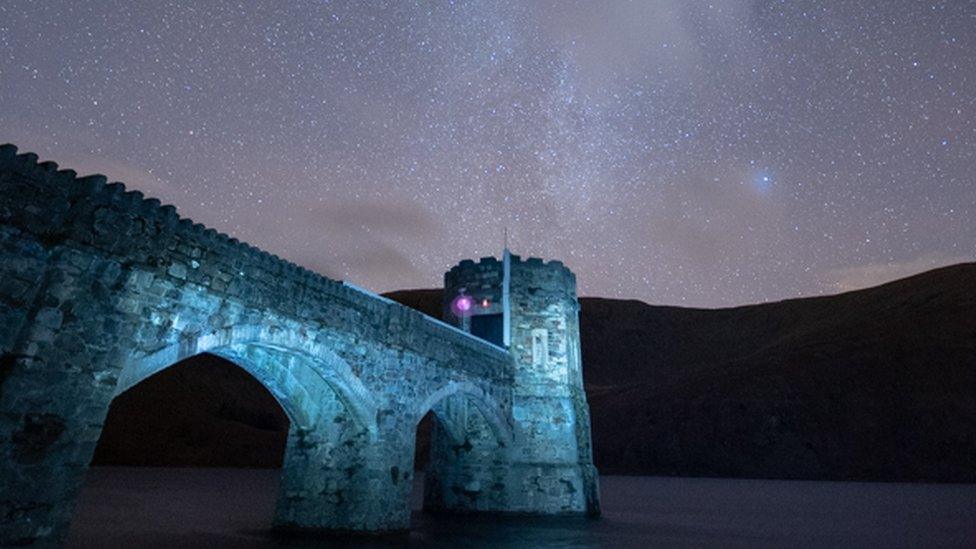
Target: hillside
{"x":878,"y":384}
{"x":872,"y":385}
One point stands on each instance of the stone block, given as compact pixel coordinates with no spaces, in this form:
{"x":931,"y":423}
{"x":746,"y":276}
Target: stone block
{"x":177,"y":270}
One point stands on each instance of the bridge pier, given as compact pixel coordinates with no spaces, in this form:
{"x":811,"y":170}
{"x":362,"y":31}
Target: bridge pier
{"x":343,"y":485}
{"x":43,"y":465}
{"x":56,"y":385}
{"x":466,"y":478}
{"x":468,"y":462}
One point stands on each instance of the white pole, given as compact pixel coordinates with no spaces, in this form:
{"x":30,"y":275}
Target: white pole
{"x":506,"y":301}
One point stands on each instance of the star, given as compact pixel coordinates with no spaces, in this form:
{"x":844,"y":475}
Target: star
{"x":677,"y":152}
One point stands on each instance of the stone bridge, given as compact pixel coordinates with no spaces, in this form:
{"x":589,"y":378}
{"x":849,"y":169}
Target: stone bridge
{"x":101,"y":287}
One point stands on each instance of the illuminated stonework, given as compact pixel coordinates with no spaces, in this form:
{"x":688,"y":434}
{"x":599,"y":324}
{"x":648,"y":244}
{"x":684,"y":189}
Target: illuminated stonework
{"x":531,"y":308}
{"x":101,"y":288}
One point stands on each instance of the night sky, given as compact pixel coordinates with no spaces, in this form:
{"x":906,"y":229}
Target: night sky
{"x":677,"y":151}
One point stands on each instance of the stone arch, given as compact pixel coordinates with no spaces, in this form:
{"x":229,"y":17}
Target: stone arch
{"x":206,"y":410}
{"x":305,"y":370}
{"x":333,"y":436}
{"x":486,"y":405}
{"x":469,"y":454}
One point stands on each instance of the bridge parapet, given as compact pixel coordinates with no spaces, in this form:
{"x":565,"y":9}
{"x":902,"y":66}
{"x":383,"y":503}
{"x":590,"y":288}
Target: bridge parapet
{"x":58,"y":207}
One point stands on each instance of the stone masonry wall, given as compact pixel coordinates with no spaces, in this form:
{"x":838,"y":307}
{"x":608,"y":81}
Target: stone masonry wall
{"x":102,"y":287}
{"x":552,"y":462}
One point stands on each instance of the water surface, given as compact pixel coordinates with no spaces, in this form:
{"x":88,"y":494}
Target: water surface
{"x":215,"y":508}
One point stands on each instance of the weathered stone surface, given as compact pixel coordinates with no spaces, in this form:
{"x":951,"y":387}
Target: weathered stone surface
{"x":103,"y":288}
{"x":550,"y":465}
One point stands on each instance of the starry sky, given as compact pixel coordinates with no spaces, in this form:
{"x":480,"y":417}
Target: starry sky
{"x":675,"y":151}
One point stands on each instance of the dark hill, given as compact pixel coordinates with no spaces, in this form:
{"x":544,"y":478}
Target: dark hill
{"x":878,"y":384}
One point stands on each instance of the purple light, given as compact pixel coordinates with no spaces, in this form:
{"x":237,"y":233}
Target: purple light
{"x":462,"y":304}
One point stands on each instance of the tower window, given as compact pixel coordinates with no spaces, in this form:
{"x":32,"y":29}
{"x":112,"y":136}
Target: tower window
{"x":488,"y":327}
{"x":540,"y":347}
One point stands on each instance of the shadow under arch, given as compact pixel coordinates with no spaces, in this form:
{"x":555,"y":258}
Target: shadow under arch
{"x":297,"y":372}
{"x":333,"y":434}
{"x":204,"y":411}
{"x":470,"y":444}
{"x":488,"y":408}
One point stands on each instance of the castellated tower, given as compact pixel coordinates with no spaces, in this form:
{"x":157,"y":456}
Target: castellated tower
{"x":530,"y":307}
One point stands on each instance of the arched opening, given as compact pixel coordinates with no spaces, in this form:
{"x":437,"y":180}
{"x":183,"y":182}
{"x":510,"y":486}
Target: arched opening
{"x":196,"y":447}
{"x":421,"y":459}
{"x":460,"y":456}
{"x":204,"y":411}
{"x":248,"y":437}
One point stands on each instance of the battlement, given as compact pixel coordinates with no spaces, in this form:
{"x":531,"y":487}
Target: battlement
{"x":493,"y":264}
{"x":101,"y":193}
{"x":552,"y":268}
{"x":57,"y":206}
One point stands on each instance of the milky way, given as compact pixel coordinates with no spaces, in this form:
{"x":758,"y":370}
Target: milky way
{"x":680,"y":152}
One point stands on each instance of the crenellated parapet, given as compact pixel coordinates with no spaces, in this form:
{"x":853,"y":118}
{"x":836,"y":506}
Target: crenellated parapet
{"x":58,"y":207}
{"x":553,"y":268}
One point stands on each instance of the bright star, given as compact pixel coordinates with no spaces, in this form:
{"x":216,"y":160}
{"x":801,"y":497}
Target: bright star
{"x":762,"y":181}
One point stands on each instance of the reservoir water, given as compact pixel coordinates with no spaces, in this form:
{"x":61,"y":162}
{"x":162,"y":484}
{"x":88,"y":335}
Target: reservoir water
{"x":217,"y":508}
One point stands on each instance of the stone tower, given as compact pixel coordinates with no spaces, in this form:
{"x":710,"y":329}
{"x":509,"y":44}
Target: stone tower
{"x":530,"y":307}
